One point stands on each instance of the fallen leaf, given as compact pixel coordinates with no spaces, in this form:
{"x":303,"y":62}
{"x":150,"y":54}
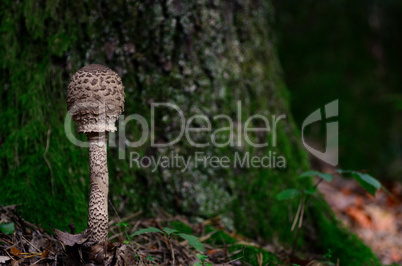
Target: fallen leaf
{"x":359,"y":216}
{"x":45,"y":253}
{"x":15,"y":251}
{"x":72,"y":239}
{"x":212,"y":251}
{"x":4,"y":259}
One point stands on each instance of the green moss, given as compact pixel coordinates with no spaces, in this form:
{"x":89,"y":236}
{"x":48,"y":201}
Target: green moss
{"x":218,"y":237}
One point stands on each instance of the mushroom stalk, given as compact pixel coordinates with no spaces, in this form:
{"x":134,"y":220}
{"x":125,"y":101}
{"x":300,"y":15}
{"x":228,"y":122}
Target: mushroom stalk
{"x":95,"y":99}
{"x":99,"y":187}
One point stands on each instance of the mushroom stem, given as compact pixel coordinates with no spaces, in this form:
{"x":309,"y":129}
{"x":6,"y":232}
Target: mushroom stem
{"x":99,"y":187}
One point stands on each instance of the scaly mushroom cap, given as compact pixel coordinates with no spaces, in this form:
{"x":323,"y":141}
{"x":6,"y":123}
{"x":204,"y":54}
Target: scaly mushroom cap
{"x":95,"y":98}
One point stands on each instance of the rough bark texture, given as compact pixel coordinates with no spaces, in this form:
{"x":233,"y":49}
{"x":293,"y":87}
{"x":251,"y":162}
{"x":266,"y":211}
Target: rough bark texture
{"x":99,"y":188}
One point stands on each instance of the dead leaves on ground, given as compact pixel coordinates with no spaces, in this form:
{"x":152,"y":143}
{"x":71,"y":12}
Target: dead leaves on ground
{"x":376,"y":220}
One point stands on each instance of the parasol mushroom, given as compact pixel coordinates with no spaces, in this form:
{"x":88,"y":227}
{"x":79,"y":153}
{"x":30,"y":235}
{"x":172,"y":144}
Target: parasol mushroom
{"x":95,"y":99}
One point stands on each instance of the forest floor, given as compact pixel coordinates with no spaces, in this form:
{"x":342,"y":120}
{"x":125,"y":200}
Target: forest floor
{"x":24,"y":243}
{"x":376,"y":220}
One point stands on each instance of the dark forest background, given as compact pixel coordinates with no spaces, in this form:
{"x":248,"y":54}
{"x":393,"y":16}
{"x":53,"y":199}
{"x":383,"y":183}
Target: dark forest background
{"x":348,"y":50}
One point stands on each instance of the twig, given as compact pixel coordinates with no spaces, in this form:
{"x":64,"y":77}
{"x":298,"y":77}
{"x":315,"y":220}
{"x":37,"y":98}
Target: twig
{"x":46,"y":160}
{"x":40,"y":261}
{"x":171,"y":251}
{"x":10,"y":256}
{"x":296,"y":216}
{"x":129,"y":217}
{"x":7,"y":241}
{"x":121,"y":221}
{"x":237,"y":258}
{"x":118,"y":216}
{"x":206,"y":237}
{"x":31,"y":244}
{"x":301,"y":214}
{"x":260,"y":258}
{"x":33,"y":255}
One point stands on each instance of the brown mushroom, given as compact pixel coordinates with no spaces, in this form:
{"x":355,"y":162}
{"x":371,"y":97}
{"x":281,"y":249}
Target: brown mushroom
{"x":95,"y":99}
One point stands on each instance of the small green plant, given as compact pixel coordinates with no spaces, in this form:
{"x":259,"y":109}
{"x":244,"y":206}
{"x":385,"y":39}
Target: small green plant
{"x":202,"y":258}
{"x":150,"y":258}
{"x":168,"y":233}
{"x":328,"y":255}
{"x":124,"y":225}
{"x":7,"y":228}
{"x":368,"y":182}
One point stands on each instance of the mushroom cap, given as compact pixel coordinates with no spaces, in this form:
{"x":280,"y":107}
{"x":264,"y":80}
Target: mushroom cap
{"x":95,"y":98}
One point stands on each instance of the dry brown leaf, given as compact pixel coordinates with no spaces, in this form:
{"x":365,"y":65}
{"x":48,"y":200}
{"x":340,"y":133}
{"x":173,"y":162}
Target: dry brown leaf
{"x":15,"y":251}
{"x":45,"y":253}
{"x":359,"y":216}
{"x":72,"y":239}
{"x":212,"y":251}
